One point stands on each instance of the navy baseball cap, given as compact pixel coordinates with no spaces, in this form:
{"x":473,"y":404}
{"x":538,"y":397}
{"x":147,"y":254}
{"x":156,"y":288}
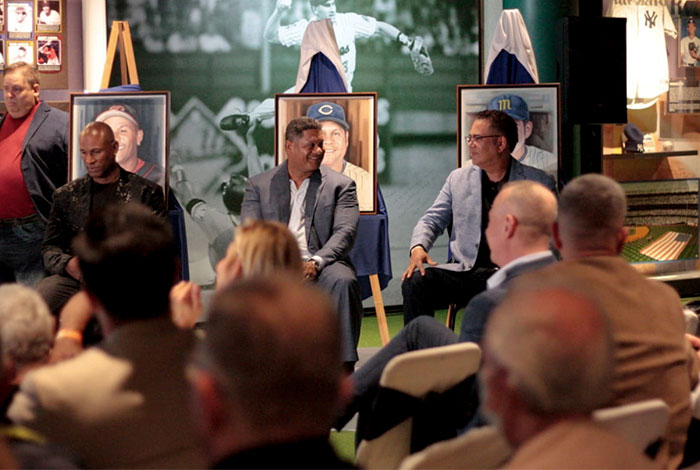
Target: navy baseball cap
{"x":327,"y":111}
{"x":513,"y":105}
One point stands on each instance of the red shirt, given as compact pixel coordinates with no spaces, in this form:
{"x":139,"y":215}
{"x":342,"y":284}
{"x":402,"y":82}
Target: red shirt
{"x":15,"y":201}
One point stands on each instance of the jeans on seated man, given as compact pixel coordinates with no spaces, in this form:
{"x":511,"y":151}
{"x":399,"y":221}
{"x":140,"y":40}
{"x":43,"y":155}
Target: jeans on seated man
{"x":518,"y":234}
{"x":105,"y":183}
{"x":464,"y":202}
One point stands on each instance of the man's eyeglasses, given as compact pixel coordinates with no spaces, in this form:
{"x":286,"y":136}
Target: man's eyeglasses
{"x":477,"y":138}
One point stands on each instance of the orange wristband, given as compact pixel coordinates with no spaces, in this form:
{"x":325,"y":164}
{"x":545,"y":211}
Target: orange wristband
{"x":72,"y":334}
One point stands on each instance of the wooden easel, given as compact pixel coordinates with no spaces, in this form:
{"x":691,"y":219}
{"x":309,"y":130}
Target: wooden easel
{"x":121,"y":36}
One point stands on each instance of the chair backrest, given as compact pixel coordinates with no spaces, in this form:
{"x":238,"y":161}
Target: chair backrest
{"x":483,"y":447}
{"x":417,"y":373}
{"x":641,"y":423}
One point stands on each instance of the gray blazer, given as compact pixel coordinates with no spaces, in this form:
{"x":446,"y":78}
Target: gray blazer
{"x":331,"y":200}
{"x":459,"y":204}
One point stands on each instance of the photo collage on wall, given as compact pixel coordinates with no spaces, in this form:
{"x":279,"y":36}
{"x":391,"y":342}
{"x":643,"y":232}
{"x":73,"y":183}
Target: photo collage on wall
{"x":30,"y":32}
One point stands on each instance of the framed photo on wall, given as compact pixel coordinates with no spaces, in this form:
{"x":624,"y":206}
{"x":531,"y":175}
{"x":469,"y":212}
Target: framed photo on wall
{"x":140,"y":122}
{"x":536,"y":111}
{"x":349,"y":127}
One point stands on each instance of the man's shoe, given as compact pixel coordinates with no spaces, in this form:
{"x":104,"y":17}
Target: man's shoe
{"x":234,"y":122}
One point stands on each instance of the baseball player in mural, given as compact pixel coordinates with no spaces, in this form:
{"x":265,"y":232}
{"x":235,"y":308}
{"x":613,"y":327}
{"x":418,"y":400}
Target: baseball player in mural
{"x":218,"y":226}
{"x":336,"y":136}
{"x":517,"y":108}
{"x":347,"y":28}
{"x":690,"y":46}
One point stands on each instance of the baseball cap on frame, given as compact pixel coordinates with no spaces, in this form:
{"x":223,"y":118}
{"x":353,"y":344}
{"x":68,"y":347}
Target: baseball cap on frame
{"x":327,"y":111}
{"x":120,"y":110}
{"x":513,"y":105}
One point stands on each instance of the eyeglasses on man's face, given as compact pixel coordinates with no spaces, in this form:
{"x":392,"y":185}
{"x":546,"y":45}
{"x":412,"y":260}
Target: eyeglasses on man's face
{"x":476,"y":138}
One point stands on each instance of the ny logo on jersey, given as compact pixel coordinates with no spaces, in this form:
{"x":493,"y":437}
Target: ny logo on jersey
{"x":344,"y":50}
{"x":650,"y":19}
{"x":504,"y":104}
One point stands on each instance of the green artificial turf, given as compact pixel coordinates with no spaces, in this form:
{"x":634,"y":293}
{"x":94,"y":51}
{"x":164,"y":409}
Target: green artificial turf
{"x":369,"y":335}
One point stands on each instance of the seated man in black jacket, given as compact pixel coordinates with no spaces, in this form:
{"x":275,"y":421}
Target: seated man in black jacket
{"x":105,"y":183}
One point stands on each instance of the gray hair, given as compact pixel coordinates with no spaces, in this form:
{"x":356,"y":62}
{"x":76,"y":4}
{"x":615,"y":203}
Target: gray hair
{"x":556,"y":346}
{"x":591,"y":208}
{"x":26,"y":325}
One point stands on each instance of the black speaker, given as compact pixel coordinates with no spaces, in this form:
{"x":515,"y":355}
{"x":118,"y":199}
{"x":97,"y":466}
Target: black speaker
{"x":592,"y":70}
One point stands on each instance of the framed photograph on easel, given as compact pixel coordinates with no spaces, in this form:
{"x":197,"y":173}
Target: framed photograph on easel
{"x":535,"y":109}
{"x":349,"y":127}
{"x":140,"y":122}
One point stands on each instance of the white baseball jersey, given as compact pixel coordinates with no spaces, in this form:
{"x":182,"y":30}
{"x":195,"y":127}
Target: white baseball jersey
{"x":346,"y":26}
{"x":686,"y":58}
{"x":541,"y":159}
{"x":647,"y":63}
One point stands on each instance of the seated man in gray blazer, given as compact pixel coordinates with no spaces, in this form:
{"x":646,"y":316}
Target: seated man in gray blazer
{"x":463,"y":204}
{"x":320,"y":207}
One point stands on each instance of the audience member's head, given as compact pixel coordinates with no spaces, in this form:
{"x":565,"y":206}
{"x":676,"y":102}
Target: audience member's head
{"x":260,"y":248}
{"x":26,"y":328}
{"x":127,"y":258}
{"x":520,"y":220}
{"x":591,"y":217}
{"x":548,"y":356}
{"x":269,"y":369}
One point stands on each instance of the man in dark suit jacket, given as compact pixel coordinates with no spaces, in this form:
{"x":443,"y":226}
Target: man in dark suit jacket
{"x":106,"y":182}
{"x":518,"y":236}
{"x":320,"y":208}
{"x":33,"y":163}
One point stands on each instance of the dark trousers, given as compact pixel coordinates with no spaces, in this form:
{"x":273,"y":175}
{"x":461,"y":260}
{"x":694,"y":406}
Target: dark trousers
{"x":423,"y":333}
{"x":340,"y":282}
{"x":439,"y":288}
{"x":56,"y":290}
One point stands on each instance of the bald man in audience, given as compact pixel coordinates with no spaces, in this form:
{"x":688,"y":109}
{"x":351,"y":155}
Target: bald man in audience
{"x":266,"y":391}
{"x":518,"y":236}
{"x":654,"y":359}
{"x":548,"y":362}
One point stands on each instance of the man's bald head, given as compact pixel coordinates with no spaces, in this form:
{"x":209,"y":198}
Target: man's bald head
{"x":534,"y":205}
{"x":100,"y":129}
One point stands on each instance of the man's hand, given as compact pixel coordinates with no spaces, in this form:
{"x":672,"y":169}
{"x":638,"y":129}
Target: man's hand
{"x":284,"y":4}
{"x":73,"y":269}
{"x":418,"y":258}
{"x":185,"y":304}
{"x":310,"y":272}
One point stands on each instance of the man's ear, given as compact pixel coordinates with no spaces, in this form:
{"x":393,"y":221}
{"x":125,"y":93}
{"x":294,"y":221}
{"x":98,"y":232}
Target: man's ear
{"x":621,"y":239}
{"x":556,"y":236}
{"x":528,"y":129}
{"x":210,"y":404}
{"x":139,"y":137}
{"x":510,"y":225}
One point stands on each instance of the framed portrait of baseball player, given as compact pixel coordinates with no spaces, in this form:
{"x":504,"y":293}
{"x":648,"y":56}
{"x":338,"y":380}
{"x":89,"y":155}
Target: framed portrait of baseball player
{"x":140,"y":122}
{"x":688,"y":43}
{"x":349,"y":127}
{"x":536,"y":111}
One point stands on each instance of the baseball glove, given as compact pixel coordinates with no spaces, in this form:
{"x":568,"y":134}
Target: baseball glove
{"x":419,"y":56}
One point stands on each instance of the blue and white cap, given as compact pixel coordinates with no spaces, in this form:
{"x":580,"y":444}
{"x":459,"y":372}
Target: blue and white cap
{"x":327,"y":111}
{"x":513,"y":105}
